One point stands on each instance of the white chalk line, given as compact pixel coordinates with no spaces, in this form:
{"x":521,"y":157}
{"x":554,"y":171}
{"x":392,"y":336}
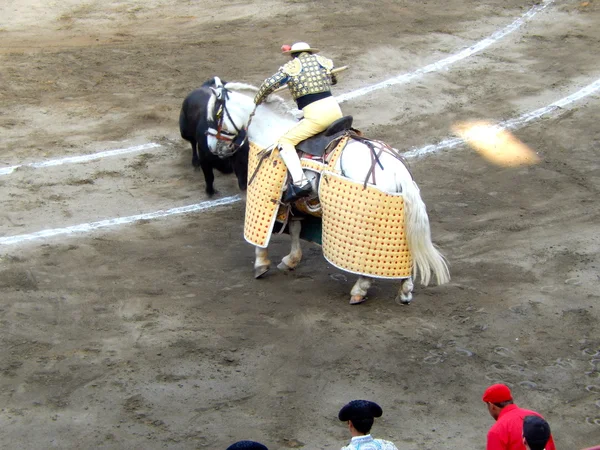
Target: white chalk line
{"x":80,"y":158}
{"x":446,"y":62}
{"x":400,"y":79}
{"x":555,"y":108}
{"x":512,"y":124}
{"x":88,"y":227}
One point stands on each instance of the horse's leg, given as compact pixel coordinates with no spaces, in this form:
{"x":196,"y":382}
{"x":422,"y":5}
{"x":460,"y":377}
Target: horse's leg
{"x":405,"y":293}
{"x":359,"y":290}
{"x":290,"y":261}
{"x":261,"y":262}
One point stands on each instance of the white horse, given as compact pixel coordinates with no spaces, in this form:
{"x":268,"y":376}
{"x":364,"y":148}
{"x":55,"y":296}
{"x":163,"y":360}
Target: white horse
{"x":271,"y":120}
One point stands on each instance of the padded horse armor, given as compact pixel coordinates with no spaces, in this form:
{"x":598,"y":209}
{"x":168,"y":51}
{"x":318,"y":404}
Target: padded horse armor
{"x":317,"y":144}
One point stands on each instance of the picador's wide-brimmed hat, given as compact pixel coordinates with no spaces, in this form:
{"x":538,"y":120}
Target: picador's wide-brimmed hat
{"x":536,"y":432}
{"x":360,"y":409}
{"x":300,"y":47}
{"x":247,"y":445}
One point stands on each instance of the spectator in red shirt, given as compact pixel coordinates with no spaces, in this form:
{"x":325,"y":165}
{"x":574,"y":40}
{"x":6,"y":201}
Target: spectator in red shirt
{"x":507,"y":432}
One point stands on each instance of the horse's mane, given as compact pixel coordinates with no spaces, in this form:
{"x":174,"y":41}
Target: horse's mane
{"x":210,"y":106}
{"x":237,"y":86}
{"x":275,"y":100}
{"x":274,"y":103}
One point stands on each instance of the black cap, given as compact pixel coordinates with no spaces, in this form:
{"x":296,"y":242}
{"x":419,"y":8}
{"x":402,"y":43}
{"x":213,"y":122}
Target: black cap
{"x":536,"y":432}
{"x":247,"y":445}
{"x":360,"y":409}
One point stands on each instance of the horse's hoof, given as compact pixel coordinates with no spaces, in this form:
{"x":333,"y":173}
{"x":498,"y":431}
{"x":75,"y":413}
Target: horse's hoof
{"x":260,"y":271}
{"x":284,"y":267}
{"x":404,"y":300}
{"x":357,"y":299}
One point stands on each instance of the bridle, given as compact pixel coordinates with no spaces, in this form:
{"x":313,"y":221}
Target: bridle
{"x":235,"y":140}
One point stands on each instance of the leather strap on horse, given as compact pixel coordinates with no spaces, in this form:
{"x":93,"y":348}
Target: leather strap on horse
{"x":374,"y":154}
{"x":396,"y":154}
{"x":248,"y":125}
{"x":374,"y":160}
{"x":218,"y":119}
{"x":383,"y":147}
{"x":229,"y":115}
{"x":264,"y":154}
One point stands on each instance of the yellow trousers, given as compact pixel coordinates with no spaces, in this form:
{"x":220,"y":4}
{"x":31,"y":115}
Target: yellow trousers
{"x":317,"y":117}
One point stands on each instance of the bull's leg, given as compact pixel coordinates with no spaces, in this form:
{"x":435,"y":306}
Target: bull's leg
{"x":261,"y":262}
{"x":405,"y":293}
{"x":209,"y":176}
{"x":290,"y":262}
{"x":359,"y":290}
{"x":195,"y":157}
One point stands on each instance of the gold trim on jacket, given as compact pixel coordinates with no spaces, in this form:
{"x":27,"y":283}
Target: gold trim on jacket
{"x":304,"y":75}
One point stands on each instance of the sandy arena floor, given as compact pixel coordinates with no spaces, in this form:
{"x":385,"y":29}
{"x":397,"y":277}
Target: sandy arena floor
{"x":155,"y":334}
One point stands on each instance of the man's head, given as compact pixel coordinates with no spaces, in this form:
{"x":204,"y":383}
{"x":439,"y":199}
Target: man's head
{"x":360,"y":415}
{"x":297,"y":48}
{"x":497,"y":396}
{"x":536,"y":433}
{"x":247,"y":445}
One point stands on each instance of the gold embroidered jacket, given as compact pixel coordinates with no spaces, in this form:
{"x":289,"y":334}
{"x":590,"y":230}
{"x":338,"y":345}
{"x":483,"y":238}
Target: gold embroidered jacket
{"x":305,"y":74}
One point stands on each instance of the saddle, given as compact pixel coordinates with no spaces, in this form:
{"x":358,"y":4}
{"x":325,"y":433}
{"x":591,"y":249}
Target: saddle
{"x":317,"y":144}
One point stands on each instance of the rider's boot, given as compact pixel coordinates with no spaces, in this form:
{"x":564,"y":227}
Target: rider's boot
{"x":300,"y":187}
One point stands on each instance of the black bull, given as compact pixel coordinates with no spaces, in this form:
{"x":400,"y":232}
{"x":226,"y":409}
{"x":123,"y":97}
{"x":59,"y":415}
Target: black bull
{"x":193,"y":124}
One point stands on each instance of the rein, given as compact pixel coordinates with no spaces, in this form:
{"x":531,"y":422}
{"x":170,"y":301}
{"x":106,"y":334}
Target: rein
{"x":248,"y":127}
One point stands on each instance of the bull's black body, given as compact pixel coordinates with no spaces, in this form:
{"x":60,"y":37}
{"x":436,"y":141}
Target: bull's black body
{"x":193,"y":124}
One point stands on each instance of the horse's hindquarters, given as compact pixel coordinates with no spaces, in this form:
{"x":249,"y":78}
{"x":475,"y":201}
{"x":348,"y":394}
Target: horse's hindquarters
{"x":363,"y":229}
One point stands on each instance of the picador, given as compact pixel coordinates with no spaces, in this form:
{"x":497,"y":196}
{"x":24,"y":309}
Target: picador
{"x":309,"y":78}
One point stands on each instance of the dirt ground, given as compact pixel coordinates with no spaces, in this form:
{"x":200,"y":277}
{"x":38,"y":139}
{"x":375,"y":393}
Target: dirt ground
{"x":155,"y":335}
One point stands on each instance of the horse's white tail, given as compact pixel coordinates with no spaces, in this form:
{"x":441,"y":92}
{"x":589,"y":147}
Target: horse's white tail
{"x":426,"y":257}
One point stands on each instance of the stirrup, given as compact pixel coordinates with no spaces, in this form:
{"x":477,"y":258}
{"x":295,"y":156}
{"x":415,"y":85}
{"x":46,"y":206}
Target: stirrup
{"x":293,"y":192}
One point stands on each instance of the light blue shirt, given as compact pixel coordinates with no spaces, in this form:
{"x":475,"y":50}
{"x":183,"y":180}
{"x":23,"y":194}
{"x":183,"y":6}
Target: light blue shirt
{"x":368,"y":443}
